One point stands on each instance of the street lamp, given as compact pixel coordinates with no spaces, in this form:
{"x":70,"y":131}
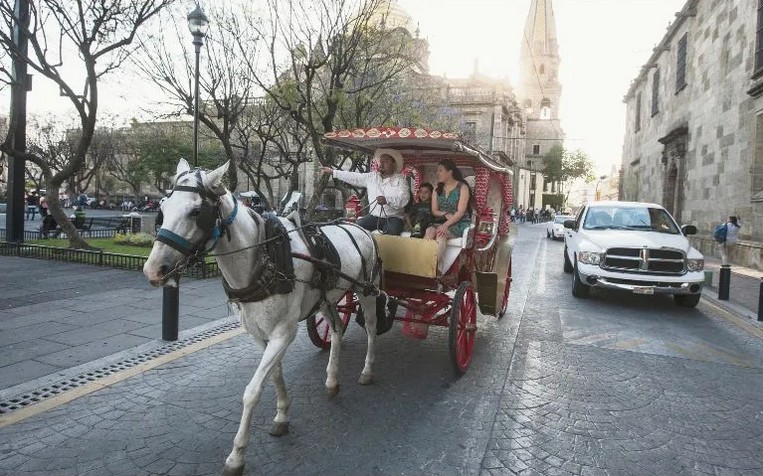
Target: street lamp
{"x":198,"y":25}
{"x":597,"y":196}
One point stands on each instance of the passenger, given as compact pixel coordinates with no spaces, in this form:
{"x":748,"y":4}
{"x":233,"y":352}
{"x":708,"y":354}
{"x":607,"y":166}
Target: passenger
{"x":419,"y":213}
{"x":451,"y":202}
{"x":388,"y":192}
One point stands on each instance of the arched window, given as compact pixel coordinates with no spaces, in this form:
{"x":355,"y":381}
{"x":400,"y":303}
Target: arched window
{"x":542,"y":69}
{"x":528,"y":105}
{"x":545,"y":108}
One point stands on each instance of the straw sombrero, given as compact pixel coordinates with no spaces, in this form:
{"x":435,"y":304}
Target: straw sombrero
{"x":392,"y":153}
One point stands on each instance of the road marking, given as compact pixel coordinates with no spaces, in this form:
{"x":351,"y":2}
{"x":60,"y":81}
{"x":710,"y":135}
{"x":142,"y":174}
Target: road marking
{"x":112,"y":379}
{"x":729,"y":316}
{"x":628,"y":344}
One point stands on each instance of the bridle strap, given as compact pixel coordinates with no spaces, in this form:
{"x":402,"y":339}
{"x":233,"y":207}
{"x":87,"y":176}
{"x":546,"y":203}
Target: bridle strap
{"x":175,"y":241}
{"x":181,"y":244}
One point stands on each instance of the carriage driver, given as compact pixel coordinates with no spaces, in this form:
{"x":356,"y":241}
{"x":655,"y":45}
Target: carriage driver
{"x":388,"y":191}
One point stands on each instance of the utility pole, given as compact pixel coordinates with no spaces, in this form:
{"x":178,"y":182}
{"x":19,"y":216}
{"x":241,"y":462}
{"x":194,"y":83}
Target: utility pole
{"x":21,"y":84}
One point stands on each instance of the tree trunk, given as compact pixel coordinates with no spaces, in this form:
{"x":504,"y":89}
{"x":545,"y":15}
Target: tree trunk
{"x":54,"y":207}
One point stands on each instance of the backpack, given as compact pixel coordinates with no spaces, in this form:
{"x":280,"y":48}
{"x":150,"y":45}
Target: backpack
{"x":719,"y":234}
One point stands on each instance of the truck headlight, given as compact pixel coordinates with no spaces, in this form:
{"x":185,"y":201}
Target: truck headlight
{"x":695,"y":264}
{"x":589,"y":257}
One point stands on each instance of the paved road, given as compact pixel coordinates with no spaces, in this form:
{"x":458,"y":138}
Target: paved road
{"x":609,"y":385}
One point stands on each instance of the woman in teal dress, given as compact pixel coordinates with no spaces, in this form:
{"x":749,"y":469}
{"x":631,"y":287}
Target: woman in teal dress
{"x":451,"y":202}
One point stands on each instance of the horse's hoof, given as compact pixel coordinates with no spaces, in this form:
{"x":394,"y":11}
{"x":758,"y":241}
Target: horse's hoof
{"x":280,"y":429}
{"x":332,"y":391}
{"x":366,"y":379}
{"x":233,"y":470}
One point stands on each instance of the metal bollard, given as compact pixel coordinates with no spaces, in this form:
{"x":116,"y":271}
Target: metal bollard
{"x":760,"y":301}
{"x":724,"y":282}
{"x":170,"y":311}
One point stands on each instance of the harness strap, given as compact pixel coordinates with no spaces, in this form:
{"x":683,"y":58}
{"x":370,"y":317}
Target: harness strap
{"x":357,"y":248}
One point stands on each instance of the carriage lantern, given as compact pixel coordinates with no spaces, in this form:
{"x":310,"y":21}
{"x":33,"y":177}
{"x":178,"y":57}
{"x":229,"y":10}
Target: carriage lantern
{"x":485,"y":227}
{"x":353,"y":208}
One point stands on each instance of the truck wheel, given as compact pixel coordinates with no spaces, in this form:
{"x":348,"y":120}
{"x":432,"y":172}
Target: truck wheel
{"x":567,"y":265}
{"x":579,"y":288}
{"x":687,"y":300}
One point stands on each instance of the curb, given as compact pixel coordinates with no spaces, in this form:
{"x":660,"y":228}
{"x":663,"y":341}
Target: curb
{"x":741,"y":316}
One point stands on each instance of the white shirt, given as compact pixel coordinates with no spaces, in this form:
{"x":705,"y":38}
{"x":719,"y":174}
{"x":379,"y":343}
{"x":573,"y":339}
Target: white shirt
{"x":732,"y":232}
{"x":393,"y":188}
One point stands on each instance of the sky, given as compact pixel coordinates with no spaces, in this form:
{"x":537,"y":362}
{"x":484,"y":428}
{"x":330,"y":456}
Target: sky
{"x":603,"y":44}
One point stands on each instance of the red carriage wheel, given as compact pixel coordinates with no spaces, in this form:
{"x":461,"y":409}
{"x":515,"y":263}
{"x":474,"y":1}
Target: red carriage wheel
{"x":319,"y":325}
{"x":463,"y":327}
{"x":506,"y":291}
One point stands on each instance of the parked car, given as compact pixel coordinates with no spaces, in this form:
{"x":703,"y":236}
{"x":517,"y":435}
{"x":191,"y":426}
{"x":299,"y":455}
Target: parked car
{"x":555,"y":229}
{"x":634,"y":247}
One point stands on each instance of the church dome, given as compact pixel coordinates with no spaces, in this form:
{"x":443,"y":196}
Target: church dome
{"x":391,"y":16}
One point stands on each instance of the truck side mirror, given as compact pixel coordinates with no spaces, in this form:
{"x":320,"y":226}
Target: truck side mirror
{"x":569,"y":224}
{"x":689,"y":230}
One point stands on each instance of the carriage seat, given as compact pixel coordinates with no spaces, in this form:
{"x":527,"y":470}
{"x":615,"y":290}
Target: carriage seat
{"x":456,"y":242}
{"x":452,"y":249}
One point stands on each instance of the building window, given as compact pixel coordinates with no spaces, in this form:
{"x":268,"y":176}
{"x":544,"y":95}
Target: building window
{"x":759,"y":44}
{"x":536,"y":149}
{"x":470,"y":132}
{"x":542,"y":69}
{"x":681,"y":64}
{"x":656,"y":92}
{"x":638,"y":112}
{"x":545,"y":108}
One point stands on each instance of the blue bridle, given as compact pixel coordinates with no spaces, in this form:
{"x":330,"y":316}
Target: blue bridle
{"x":209,"y":220}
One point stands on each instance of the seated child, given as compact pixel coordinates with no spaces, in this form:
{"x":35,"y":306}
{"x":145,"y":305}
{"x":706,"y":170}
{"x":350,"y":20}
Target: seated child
{"x":419,"y":213}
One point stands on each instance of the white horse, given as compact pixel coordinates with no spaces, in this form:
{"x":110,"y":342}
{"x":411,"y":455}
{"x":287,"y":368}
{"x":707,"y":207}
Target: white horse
{"x":273,"y":321}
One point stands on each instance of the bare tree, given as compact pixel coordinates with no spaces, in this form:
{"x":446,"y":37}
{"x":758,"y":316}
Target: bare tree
{"x":101,"y":33}
{"x":325,"y":45}
{"x":226,"y":85}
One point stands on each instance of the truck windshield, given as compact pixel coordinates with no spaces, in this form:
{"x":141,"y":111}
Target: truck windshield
{"x":630,"y":218}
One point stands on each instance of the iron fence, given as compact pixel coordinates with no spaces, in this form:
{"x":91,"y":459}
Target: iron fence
{"x":33,"y":235}
{"x":97,"y":258}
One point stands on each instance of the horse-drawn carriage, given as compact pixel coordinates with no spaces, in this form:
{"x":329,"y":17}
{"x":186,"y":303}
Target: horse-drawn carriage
{"x":275,"y":274}
{"x":475,"y":270}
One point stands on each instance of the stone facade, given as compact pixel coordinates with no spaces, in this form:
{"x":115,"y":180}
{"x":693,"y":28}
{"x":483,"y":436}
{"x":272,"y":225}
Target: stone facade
{"x":692,"y":122}
{"x":493,"y":120}
{"x":539,"y":92}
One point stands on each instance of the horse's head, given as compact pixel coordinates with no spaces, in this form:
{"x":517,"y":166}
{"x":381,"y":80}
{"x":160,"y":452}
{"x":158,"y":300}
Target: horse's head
{"x":191,"y":213}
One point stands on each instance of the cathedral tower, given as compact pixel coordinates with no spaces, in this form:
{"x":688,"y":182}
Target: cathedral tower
{"x":539,"y":92}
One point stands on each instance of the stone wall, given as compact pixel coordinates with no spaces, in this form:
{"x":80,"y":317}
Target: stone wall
{"x":700,"y":141}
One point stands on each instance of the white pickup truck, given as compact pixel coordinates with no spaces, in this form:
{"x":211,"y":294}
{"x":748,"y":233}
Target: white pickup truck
{"x":634,"y":247}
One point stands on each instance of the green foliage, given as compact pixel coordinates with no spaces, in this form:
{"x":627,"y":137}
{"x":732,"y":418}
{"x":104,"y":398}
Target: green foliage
{"x":143,"y":240}
{"x":561,"y":165}
{"x":554,"y":200}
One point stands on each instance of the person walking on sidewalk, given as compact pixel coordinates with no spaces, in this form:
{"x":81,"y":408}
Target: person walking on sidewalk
{"x":732,"y":232}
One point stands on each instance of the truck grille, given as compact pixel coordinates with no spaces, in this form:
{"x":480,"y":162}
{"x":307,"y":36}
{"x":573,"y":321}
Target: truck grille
{"x":644,"y":260}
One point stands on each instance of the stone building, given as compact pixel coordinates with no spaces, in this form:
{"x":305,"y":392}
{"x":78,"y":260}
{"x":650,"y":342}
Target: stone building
{"x":490,"y":113}
{"x":539,"y":92}
{"x":694,"y":130}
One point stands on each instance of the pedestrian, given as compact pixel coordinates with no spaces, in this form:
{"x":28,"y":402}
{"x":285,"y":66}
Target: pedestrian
{"x":43,"y":206}
{"x":32,"y":203}
{"x":388,"y":191}
{"x":732,"y":231}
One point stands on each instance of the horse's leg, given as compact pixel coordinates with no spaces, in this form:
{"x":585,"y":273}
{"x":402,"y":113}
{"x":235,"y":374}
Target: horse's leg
{"x":368,"y":304}
{"x":332,"y":369}
{"x":281,"y":421}
{"x":277,"y":345}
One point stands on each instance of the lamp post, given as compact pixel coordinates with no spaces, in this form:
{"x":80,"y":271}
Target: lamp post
{"x":597,"y":196}
{"x":198,"y":25}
